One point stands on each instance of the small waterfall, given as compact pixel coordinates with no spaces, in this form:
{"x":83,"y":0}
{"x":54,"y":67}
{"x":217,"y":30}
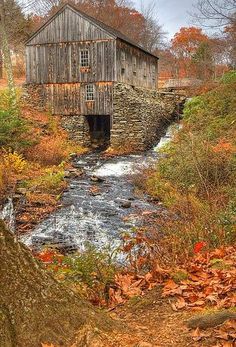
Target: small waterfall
{"x":8,"y":214}
{"x":98,"y":218}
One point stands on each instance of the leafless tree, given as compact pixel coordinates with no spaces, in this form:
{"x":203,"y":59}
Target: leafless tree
{"x":153,"y":34}
{"x":215,"y":13}
{"x":220,"y":14}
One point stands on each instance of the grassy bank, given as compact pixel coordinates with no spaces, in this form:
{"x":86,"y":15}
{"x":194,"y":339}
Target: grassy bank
{"x":35,"y":153}
{"x":195,"y":178}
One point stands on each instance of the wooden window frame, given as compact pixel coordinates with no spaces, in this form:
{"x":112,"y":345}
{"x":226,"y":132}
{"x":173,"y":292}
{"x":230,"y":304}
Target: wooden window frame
{"x":154,"y":69}
{"x":90,"y":92}
{"x":145,"y":69}
{"x":123,"y":60}
{"x":123,"y":56}
{"x":134,"y":66}
{"x":84,"y":58}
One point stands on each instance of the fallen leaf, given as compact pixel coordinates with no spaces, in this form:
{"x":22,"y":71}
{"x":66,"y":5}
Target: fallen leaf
{"x":181,"y":303}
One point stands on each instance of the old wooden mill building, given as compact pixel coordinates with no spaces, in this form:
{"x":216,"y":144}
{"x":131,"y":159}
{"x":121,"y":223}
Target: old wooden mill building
{"x":103,"y":85}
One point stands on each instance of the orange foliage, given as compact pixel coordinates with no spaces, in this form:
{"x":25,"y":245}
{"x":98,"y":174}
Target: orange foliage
{"x":12,"y":169}
{"x":223,"y":146}
{"x":187,"y":40}
{"x":50,"y":150}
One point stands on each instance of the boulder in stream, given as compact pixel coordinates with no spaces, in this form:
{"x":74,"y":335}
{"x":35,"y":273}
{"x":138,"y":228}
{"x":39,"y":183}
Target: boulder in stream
{"x":126,"y":204}
{"x":97,"y":179}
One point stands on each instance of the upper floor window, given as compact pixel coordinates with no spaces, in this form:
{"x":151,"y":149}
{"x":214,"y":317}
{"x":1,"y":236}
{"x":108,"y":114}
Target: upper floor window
{"x":84,"y":58}
{"x":90,"y":92}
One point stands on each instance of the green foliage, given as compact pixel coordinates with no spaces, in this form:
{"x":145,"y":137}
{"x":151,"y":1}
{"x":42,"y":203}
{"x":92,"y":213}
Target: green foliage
{"x":90,"y":273}
{"x":229,"y":77}
{"x":91,"y":267}
{"x":13,"y":130}
{"x":50,"y":181}
{"x":5,"y":100}
{"x":179,"y":276}
{"x":203,"y":60}
{"x":196,"y":175}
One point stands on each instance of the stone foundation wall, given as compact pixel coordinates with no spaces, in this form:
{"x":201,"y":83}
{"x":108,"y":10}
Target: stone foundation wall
{"x":140,"y":115}
{"x":77,"y":128}
{"x":76,"y":125}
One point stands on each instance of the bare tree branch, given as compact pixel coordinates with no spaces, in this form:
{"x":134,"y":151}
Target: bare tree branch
{"x":215,"y":13}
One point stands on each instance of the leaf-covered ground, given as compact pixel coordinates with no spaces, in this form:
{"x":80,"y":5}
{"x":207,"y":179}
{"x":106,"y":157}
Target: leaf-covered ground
{"x":154,"y":308}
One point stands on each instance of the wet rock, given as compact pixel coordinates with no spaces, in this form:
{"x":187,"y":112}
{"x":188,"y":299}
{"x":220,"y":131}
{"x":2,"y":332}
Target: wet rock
{"x":17,"y":197}
{"x":97,"y":179}
{"x":73,"y":155}
{"x":153,"y":199}
{"x":125,"y":204}
{"x":73,"y":173}
{"x":21,"y":191}
{"x":63,"y":243}
{"x":95,"y":193}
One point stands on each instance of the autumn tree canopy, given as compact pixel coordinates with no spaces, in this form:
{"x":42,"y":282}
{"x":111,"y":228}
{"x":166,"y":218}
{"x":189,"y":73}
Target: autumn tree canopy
{"x":186,"y":42}
{"x":190,"y":47}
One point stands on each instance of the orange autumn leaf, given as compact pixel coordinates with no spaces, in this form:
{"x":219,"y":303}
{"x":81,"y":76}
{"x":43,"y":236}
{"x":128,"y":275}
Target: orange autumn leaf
{"x":223,"y":146}
{"x":181,"y":303}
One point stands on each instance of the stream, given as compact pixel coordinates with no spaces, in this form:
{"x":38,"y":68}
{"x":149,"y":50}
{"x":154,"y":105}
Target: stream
{"x":98,"y":206}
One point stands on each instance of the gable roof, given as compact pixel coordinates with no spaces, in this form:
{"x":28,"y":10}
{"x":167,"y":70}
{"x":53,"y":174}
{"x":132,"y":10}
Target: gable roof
{"x":113,"y":32}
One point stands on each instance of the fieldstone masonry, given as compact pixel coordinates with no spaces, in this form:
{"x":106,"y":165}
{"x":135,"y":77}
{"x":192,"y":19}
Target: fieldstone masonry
{"x":78,"y":129}
{"x":139,"y":115}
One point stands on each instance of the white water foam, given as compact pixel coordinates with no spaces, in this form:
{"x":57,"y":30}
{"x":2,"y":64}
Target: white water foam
{"x":8,"y":215}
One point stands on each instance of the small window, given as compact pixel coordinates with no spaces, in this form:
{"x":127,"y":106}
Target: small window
{"x":90,"y":92}
{"x":122,"y":70}
{"x":144,"y":69}
{"x":84,"y":58}
{"x":134,"y":66}
{"x":123,"y":56}
{"x":153,"y":72}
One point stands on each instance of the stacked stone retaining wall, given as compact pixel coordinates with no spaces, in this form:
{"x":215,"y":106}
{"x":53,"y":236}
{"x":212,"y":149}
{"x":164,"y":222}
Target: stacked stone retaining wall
{"x":139,"y":116}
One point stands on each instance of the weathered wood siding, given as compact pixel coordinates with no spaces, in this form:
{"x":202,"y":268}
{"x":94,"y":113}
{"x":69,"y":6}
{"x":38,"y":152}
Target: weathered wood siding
{"x":69,"y":99}
{"x":53,"y":63}
{"x":60,"y":63}
{"x":135,"y":67}
{"x":69,"y":26}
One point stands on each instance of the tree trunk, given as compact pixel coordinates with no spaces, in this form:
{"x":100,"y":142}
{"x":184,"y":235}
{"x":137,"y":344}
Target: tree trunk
{"x":7,"y":59}
{"x":34,"y":308}
{"x":1,"y":65}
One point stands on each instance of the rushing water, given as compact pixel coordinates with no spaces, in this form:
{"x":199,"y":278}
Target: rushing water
{"x":8,"y":214}
{"x":97,"y":212}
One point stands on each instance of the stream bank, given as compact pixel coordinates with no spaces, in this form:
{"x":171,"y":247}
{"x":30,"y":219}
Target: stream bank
{"x":99,"y":205}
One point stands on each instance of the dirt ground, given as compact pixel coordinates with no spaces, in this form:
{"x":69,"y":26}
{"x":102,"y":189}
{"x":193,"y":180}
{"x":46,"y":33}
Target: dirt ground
{"x":148,"y":322}
{"x":151,"y":322}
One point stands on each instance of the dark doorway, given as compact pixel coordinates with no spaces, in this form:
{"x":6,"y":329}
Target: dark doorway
{"x":100,"y":130}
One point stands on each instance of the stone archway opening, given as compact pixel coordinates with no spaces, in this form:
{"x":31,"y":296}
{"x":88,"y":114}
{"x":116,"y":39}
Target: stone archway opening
{"x":99,"y":130}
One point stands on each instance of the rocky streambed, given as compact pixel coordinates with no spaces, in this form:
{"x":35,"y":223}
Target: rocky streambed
{"x":99,"y":205}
